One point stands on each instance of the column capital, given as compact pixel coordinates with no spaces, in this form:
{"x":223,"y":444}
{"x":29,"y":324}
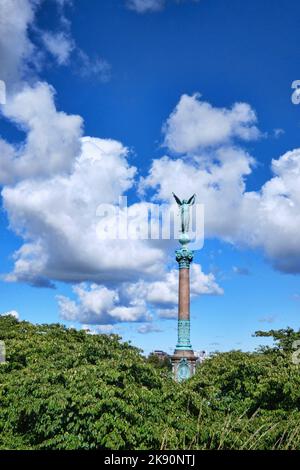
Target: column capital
{"x":184,"y":257}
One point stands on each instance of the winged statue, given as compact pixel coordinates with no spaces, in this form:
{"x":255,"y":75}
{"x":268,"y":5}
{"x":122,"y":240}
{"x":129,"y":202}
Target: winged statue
{"x":184,"y":207}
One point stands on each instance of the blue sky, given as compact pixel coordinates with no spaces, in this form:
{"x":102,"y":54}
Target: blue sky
{"x":124,"y":71}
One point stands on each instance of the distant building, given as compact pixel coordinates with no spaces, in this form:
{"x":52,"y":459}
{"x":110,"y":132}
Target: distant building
{"x":201,"y":356}
{"x":160,"y":354}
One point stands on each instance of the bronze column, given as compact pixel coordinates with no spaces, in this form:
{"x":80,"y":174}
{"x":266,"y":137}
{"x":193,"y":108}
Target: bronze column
{"x":183,"y":360}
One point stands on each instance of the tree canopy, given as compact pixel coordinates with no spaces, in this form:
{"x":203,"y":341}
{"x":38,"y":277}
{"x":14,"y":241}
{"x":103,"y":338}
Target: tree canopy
{"x":62,"y":388}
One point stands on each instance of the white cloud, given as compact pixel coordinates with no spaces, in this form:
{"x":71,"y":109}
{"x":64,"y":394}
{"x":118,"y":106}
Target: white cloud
{"x":99,"y":305}
{"x":271,"y":217}
{"x":57,"y":219}
{"x":2,"y":92}
{"x":105,"y":329}
{"x":52,"y":140}
{"x":202,"y":283}
{"x":92,"y":68}
{"x":12,"y":313}
{"x":267,"y":219}
{"x":133,"y":301}
{"x":64,"y":49}
{"x":195,"y":124}
{"x":148,"y":328}
{"x":162,"y":294}
{"x":99,"y":329}
{"x":16,"y":50}
{"x":53,"y":208}
{"x":21,"y":54}
{"x":218,"y":183}
{"x":167,"y":313}
{"x":145,"y":6}
{"x":165,"y":291}
{"x":53,"y":184}
{"x":59,"y":44}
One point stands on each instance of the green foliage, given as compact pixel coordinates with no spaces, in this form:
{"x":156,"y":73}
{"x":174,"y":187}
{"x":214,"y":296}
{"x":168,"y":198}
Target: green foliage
{"x":284,"y":338}
{"x":65,"y":389}
{"x":254,"y":398}
{"x":160,"y":363}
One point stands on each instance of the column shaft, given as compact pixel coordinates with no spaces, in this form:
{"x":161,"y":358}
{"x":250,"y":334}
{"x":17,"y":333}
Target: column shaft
{"x":184,"y":294}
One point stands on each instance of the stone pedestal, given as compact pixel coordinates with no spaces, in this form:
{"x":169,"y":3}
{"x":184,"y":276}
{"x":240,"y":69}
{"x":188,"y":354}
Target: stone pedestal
{"x":183,"y":359}
{"x":183,"y":365}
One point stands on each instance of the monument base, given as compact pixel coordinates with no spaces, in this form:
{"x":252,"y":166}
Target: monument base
{"x":183,"y":364}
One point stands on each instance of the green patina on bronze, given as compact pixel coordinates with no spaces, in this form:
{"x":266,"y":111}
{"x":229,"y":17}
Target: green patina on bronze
{"x":184,"y":257}
{"x":183,"y":372}
{"x":184,"y":206}
{"x":184,"y":342}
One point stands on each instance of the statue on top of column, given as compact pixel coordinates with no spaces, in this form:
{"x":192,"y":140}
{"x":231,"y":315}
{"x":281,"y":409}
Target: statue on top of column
{"x":184,"y":206}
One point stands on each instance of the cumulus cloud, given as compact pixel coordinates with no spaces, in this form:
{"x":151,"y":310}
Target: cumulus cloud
{"x":133,"y":301}
{"x":271,"y":217}
{"x":99,"y":305}
{"x":219,"y":184}
{"x":145,"y":6}
{"x":52,"y":137}
{"x":195,"y":124}
{"x":57,"y":218}
{"x":267,"y":219}
{"x":162,"y":295}
{"x":52,"y":203}
{"x":164,"y":292}
{"x":16,"y":49}
{"x":53,"y":183}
